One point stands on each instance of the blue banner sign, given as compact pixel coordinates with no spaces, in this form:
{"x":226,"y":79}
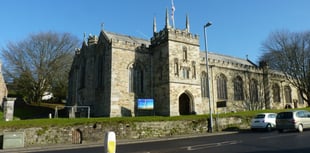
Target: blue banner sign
{"x":147,"y":104}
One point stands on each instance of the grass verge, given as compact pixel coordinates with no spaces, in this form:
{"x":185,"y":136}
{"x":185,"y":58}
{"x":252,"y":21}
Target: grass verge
{"x":62,"y":122}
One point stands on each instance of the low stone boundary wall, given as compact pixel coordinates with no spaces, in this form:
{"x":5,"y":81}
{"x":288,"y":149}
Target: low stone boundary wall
{"x":90,"y":133}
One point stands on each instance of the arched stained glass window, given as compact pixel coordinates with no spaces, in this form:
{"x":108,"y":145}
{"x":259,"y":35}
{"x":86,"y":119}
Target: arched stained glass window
{"x":238,"y":88}
{"x":276,"y":92}
{"x":288,"y":94}
{"x":204,"y":85}
{"x":221,"y":87}
{"x":136,"y":81}
{"x":253,"y":90}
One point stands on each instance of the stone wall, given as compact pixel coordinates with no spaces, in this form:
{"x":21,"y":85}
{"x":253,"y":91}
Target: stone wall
{"x":94,"y":132}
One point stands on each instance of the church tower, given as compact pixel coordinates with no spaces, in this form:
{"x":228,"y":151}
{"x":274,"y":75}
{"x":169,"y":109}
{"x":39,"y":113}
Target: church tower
{"x":175,"y":58}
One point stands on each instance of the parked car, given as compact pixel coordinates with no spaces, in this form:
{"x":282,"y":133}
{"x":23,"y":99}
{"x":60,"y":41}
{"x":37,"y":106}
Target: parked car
{"x":293,"y":120}
{"x":265,"y":121}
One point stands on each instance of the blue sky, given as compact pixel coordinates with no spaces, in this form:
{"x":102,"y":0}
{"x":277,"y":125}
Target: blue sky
{"x":239,"y":26}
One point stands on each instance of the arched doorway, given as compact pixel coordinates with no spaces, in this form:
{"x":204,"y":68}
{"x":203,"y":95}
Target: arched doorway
{"x":185,"y":104}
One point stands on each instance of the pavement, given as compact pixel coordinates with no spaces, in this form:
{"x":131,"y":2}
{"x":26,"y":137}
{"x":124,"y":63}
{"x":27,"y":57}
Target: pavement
{"x":98,"y":144}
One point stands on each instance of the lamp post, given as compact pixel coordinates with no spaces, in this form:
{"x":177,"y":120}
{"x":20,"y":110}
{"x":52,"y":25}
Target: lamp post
{"x":208,"y":82}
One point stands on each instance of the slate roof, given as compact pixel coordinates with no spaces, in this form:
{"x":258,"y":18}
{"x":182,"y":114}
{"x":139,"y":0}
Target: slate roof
{"x":227,"y":58}
{"x":115,"y":36}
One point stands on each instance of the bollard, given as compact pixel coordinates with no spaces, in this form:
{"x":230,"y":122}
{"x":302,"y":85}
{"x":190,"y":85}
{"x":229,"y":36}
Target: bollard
{"x":50,"y":115}
{"x":110,"y":142}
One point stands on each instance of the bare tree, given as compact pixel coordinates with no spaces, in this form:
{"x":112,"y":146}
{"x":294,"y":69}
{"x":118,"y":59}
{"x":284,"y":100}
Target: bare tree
{"x":39,"y":64}
{"x":289,"y":53}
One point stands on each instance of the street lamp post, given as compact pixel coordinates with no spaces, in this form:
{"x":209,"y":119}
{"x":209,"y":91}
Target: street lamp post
{"x":208,"y":82}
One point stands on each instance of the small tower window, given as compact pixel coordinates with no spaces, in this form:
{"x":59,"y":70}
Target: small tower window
{"x":194,"y":69}
{"x":184,"y":54}
{"x":176,"y":67}
{"x":185,"y":72}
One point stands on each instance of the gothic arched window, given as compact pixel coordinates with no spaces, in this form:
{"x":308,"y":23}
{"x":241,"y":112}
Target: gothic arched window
{"x":136,"y":81}
{"x":221,"y":87}
{"x":238,"y":88}
{"x":276,"y":92}
{"x":204,"y":85}
{"x":288,"y":94}
{"x":253,"y":91}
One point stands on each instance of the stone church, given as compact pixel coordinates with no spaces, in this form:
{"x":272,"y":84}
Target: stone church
{"x":112,"y":72}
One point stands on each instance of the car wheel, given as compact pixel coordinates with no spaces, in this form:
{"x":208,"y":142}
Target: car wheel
{"x":268,"y":128}
{"x":300,"y":128}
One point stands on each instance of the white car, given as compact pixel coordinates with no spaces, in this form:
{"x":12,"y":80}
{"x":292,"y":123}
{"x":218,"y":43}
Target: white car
{"x":265,"y":121}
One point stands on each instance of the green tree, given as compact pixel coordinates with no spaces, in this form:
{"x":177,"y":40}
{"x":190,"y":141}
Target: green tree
{"x":39,"y":64}
{"x":289,"y":52}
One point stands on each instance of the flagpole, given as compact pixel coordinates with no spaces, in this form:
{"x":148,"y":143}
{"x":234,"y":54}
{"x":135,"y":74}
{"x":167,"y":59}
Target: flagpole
{"x":172,"y":13}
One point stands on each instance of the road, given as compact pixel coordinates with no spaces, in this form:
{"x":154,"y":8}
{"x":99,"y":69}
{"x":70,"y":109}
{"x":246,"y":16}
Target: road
{"x":245,"y":142}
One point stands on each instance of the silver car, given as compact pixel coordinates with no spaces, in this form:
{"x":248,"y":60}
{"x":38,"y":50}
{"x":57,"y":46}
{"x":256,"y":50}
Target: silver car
{"x":293,"y":120}
{"x":265,"y":121}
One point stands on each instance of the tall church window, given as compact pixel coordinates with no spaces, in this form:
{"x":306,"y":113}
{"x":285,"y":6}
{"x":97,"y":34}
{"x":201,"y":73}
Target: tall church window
{"x":184,"y":54}
{"x":238,"y":88}
{"x":136,"y":81}
{"x":194,"y":69}
{"x":253,"y":90}
{"x":221,"y":87}
{"x":176,"y":67}
{"x":204,"y":85}
{"x":276,"y":93}
{"x":288,"y":94}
